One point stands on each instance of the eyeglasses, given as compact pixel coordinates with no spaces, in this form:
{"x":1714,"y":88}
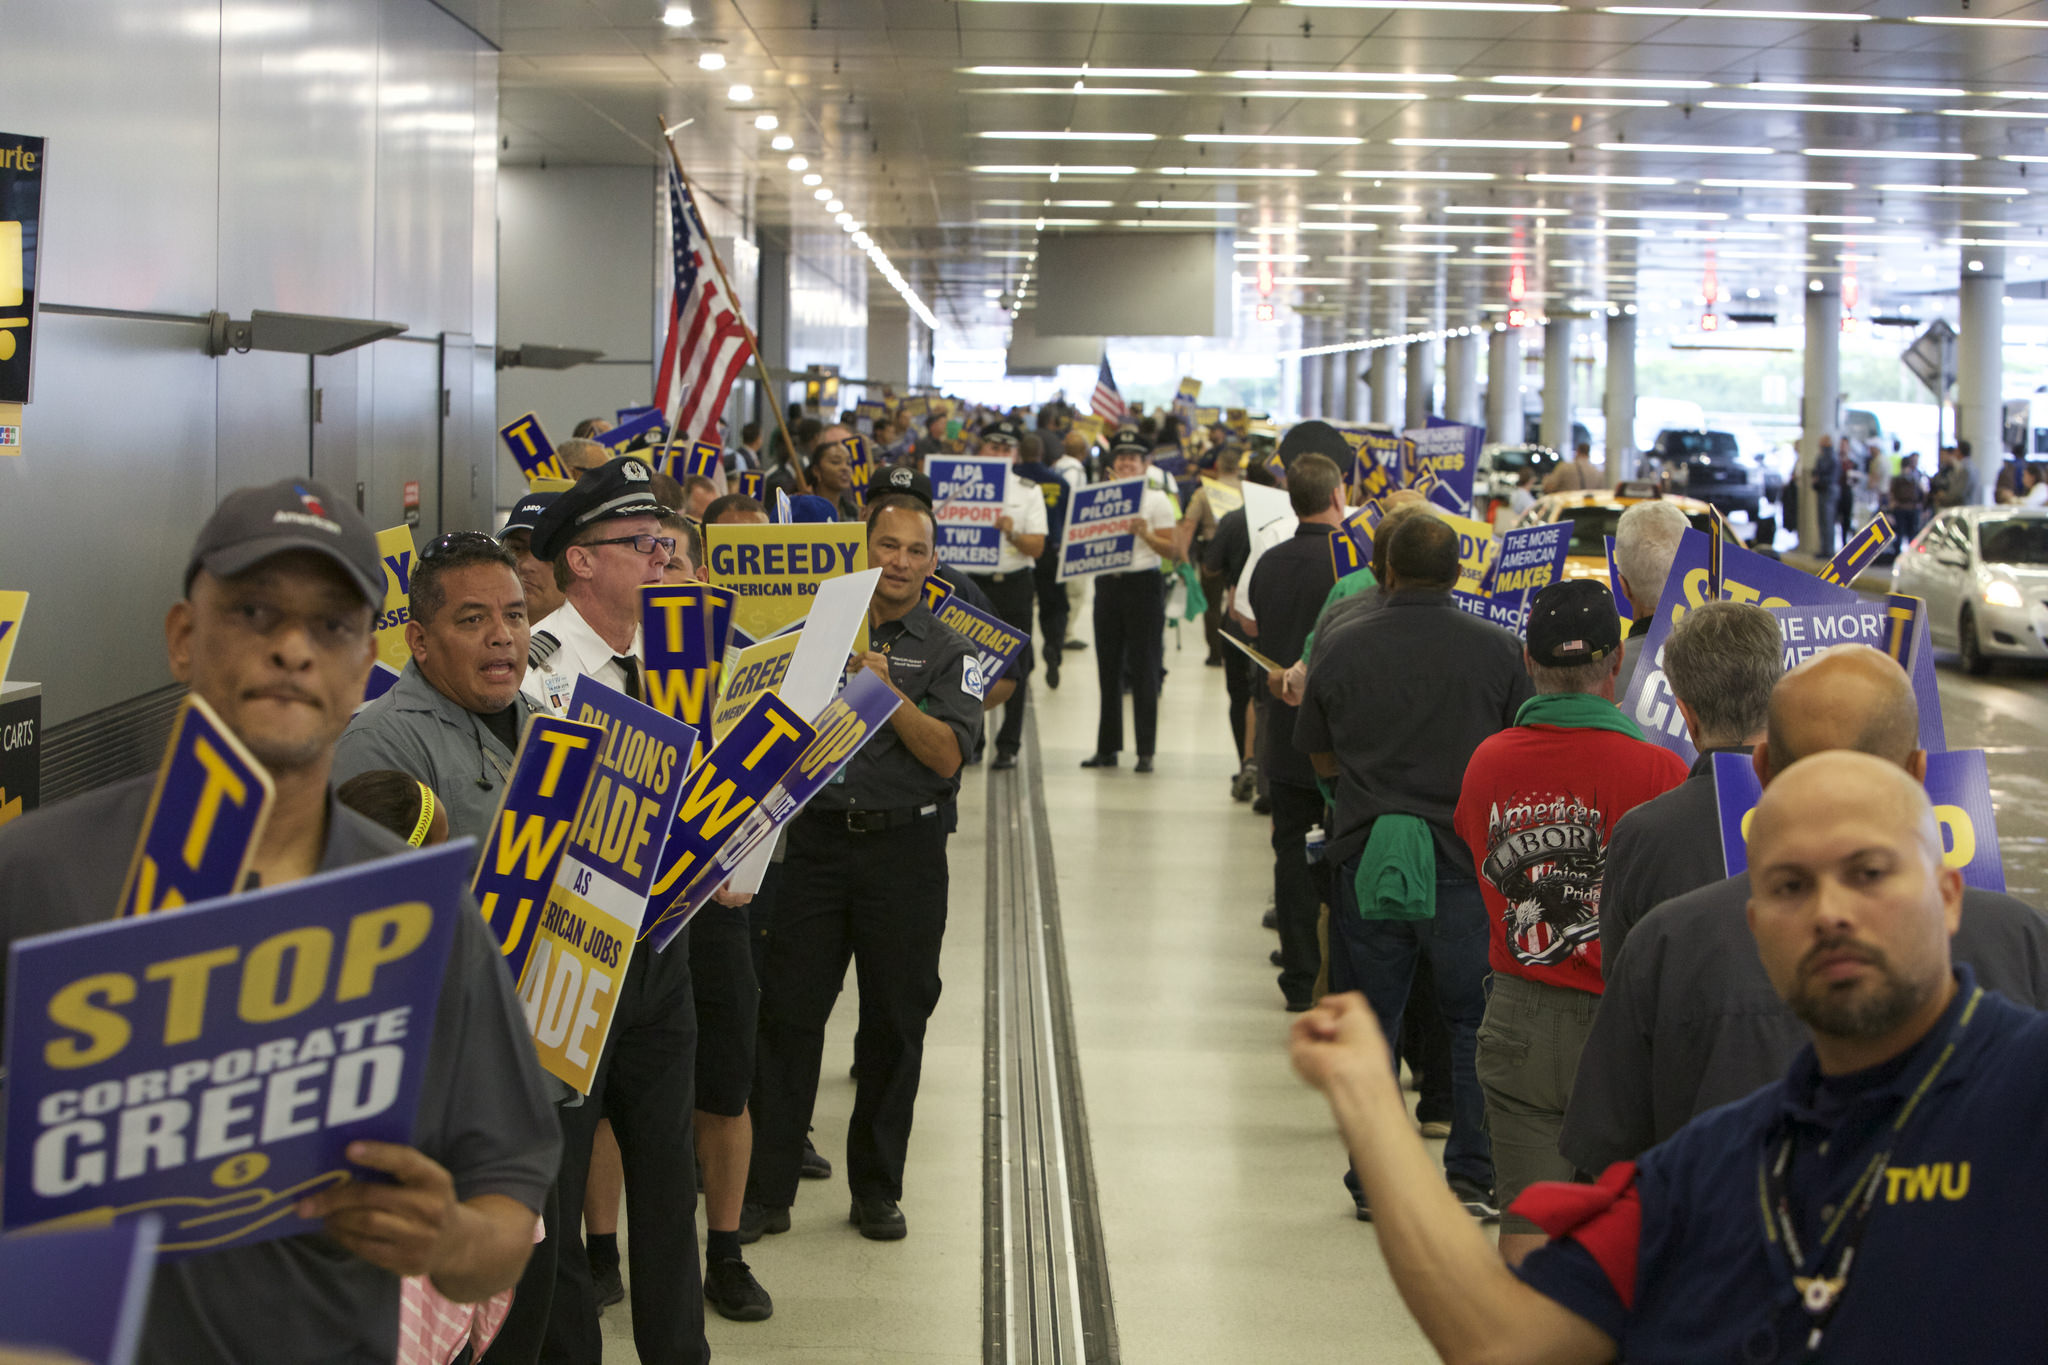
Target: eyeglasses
{"x":452,"y":541}
{"x":643,"y":545}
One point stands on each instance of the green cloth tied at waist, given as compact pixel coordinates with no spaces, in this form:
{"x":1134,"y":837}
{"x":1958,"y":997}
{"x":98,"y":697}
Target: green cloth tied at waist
{"x":1397,"y":872}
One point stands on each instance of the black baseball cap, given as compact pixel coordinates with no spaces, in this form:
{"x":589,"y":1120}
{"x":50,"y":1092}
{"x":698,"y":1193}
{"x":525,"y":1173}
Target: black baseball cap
{"x":1003,"y":429}
{"x":904,"y":479}
{"x":615,"y":489}
{"x":252,"y":524}
{"x":526,"y":513}
{"x":1573,"y":622}
{"x":1128,"y":442}
{"x":1317,"y":437}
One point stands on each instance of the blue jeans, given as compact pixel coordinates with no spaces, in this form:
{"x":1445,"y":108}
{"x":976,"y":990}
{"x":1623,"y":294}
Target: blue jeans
{"x":1377,"y":956}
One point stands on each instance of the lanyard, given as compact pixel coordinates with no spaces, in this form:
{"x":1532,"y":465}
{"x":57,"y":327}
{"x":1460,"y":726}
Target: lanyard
{"x":1821,"y":1294}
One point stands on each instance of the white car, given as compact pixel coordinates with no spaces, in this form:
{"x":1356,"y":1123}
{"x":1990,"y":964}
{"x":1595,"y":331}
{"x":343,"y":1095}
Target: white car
{"x":1983,"y":572}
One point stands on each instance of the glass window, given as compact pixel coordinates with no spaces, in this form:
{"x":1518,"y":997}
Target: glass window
{"x":2013,"y":540}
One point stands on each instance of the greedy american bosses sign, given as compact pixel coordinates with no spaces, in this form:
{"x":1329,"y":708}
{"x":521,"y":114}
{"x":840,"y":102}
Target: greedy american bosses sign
{"x":211,"y":1065}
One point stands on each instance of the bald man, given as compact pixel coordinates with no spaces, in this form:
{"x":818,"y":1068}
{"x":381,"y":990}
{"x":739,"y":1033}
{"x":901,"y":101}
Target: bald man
{"x":1822,"y":1216}
{"x":1688,"y":1017}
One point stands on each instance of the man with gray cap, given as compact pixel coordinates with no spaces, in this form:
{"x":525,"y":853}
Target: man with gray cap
{"x":1645,"y":542}
{"x":1537,"y":808}
{"x":605,"y":540}
{"x":274,"y":632}
{"x":543,"y":598}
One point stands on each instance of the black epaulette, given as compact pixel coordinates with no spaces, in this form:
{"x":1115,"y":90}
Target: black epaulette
{"x":541,"y":648}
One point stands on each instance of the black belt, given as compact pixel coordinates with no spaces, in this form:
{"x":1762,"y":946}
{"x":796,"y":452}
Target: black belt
{"x":876,"y":821}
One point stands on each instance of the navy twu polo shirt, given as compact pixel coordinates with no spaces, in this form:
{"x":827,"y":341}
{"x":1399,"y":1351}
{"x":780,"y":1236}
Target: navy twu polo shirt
{"x":1948,"y":1267}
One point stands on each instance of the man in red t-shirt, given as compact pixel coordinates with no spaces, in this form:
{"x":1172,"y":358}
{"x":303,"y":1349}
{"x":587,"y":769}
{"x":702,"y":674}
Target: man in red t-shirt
{"x":1538,"y":803}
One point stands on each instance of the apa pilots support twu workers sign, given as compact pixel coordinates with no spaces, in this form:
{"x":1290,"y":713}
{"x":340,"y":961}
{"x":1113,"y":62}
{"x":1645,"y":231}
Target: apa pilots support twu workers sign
{"x":1098,"y":537}
{"x":212,"y":1064}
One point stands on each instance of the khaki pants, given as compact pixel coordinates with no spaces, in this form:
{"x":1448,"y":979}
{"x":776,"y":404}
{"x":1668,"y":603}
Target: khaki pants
{"x":1529,"y":1044}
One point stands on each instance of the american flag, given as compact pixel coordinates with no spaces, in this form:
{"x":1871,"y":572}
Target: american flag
{"x":707,"y":342}
{"x":1107,"y":403}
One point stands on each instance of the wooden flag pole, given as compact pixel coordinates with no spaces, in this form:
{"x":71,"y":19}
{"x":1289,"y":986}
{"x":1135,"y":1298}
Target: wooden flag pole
{"x":753,"y":342}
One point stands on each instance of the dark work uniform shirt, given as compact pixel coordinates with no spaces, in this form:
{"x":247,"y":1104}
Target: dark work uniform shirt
{"x":484,"y":1114}
{"x":928,"y":664}
{"x":966,"y":589}
{"x":1945,"y":1269}
{"x":1057,"y":494}
{"x":1287,"y":592}
{"x":1688,"y":1019}
{"x":1661,"y":850}
{"x":1402,"y":699}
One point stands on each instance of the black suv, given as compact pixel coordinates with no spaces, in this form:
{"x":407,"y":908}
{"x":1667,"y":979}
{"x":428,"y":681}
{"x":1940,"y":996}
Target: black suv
{"x":1708,"y":465}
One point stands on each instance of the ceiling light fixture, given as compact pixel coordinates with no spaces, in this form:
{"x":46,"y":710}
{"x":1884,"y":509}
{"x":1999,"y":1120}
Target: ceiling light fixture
{"x":1497,"y":144}
{"x":1038,"y":222}
{"x":835,"y":207}
{"x":821,"y":194}
{"x":1421,"y":175}
{"x":767,"y":123}
{"x":1339,"y":76}
{"x":1432,"y":248}
{"x":1069,"y":136}
{"x":1054,"y":170}
{"x":1460,"y":229}
{"x":1162,"y":73}
{"x":678,"y":16}
{"x":1230,"y":173}
{"x":1547,"y":178}
{"x":799,"y":163}
{"x":1506,"y":211}
{"x":1364,"y":208}
{"x":783,"y":142}
{"x":740,"y":94}
{"x":1895,"y":91}
{"x":1967,"y":21}
{"x":1996,"y":113}
{"x":1687,"y":148}
{"x":1602,"y":82}
{"x":1794,"y":15}
{"x":1766,"y":107}
{"x":1809,"y":218}
{"x":814,"y":179}
{"x":1433,"y":6}
{"x":1952,"y":189}
{"x":1667,"y":215}
{"x":1227,"y":205}
{"x":1077,"y":88}
{"x":1590,"y":101}
{"x":711,"y":61}
{"x":1900,"y":237}
{"x":1273,"y":139}
{"x":1886,"y":154}
{"x":1778,"y":184}
{"x":1388,"y":96}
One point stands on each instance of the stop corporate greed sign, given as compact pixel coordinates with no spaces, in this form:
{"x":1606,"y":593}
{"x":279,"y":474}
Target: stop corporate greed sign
{"x":967,"y":498}
{"x":212,"y":1064}
{"x":1098,"y":537}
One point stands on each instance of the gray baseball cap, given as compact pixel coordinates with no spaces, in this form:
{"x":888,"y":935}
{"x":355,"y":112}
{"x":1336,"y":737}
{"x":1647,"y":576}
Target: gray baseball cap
{"x":253,"y":524}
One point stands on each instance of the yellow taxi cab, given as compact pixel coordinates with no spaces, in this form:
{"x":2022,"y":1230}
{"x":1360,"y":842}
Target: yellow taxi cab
{"x":1593,"y":514}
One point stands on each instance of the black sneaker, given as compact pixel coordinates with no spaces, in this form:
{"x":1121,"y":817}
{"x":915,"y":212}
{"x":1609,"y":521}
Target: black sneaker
{"x":732,"y":1289}
{"x":1004,"y":762}
{"x":1358,"y":1197}
{"x":815,"y":1167}
{"x":756,"y":1219}
{"x":1099,"y":761}
{"x":1270,"y":920}
{"x":879,"y":1219}
{"x":1144,"y":764}
{"x":1477,"y":1202}
{"x":610,"y":1286}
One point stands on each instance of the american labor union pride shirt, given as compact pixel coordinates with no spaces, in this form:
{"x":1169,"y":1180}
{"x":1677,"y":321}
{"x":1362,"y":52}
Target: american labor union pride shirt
{"x":1538,"y":804}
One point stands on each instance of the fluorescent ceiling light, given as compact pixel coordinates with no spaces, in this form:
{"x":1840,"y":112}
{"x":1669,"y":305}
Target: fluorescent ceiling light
{"x":767,"y":123}
{"x":1602,"y":82}
{"x":1667,"y":215}
{"x":1054,"y":170}
{"x":1952,"y":189}
{"x":2028,"y":159}
{"x":1809,"y":218}
{"x":1077,"y":88}
{"x":1013,"y":255}
{"x":1163,"y":73}
{"x":1364,"y":208}
{"x":740,"y":94}
{"x":1281,"y":258}
{"x":1507,"y":211}
{"x":2018,"y":95}
{"x":1338,"y":227}
{"x":1020,"y":135}
{"x":1966,"y":21}
{"x":1688,"y":148}
{"x":1209,"y":223}
{"x":1432,"y":6}
{"x":1392,"y":96}
{"x":1038,"y":222}
{"x":1273,"y":139}
{"x":1548,"y":178}
{"x":1501,"y":144}
{"x":1593,"y":101}
{"x":1795,"y":15}
{"x":1431,"y":248}
{"x":814,"y":179}
{"x":799,"y":163}
{"x":711,"y":61}
{"x":1884,"y":154}
{"x":1488,"y":249}
{"x":1228,"y":205}
{"x":1604,"y":232}
{"x":1988,"y":222}
{"x":1807,"y":88}
{"x":1050,"y":203}
{"x":1904,"y":237}
{"x":1426,"y":175}
{"x":1987,"y":241}
{"x":1231,"y":173}
{"x":1270,"y":230}
{"x":783,"y":142}
{"x":1339,"y":76}
{"x":1778,"y":184}
{"x":678,"y":16}
{"x":822,"y":194}
{"x":1461,"y":229}
{"x":1765,"y":107}
{"x":1724,"y":235}
{"x":1996,"y":113}
{"x":1303,"y":280}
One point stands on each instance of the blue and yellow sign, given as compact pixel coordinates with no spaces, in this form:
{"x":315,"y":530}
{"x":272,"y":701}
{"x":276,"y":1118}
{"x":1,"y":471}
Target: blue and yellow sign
{"x":531,"y":449}
{"x":750,"y":483}
{"x":82,"y":1294}
{"x":1347,"y":555}
{"x":13,"y":606}
{"x":21,"y":227}
{"x":732,"y":780}
{"x":211,"y":1067}
{"x":937,"y":592}
{"x":1861,"y":549}
{"x":755,"y":670}
{"x":205,"y":816}
{"x":700,"y":460}
{"x":775,"y":570}
{"x":996,"y":643}
{"x":550,"y":777}
{"x":637,"y":429}
{"x":684,"y":631}
{"x":395,"y":548}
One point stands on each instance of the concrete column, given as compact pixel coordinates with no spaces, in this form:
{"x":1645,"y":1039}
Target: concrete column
{"x":1504,"y":386}
{"x":1335,"y":393}
{"x":1822,"y":397}
{"x":1391,"y":309}
{"x":1421,"y":381}
{"x":1311,"y":371}
{"x":1621,"y":397}
{"x":1354,"y":363}
{"x":1980,"y":362}
{"x":1557,"y":385}
{"x":1461,"y":378}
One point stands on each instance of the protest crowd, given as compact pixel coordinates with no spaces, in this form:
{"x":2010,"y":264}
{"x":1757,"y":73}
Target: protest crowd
{"x":1651,"y":1111}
